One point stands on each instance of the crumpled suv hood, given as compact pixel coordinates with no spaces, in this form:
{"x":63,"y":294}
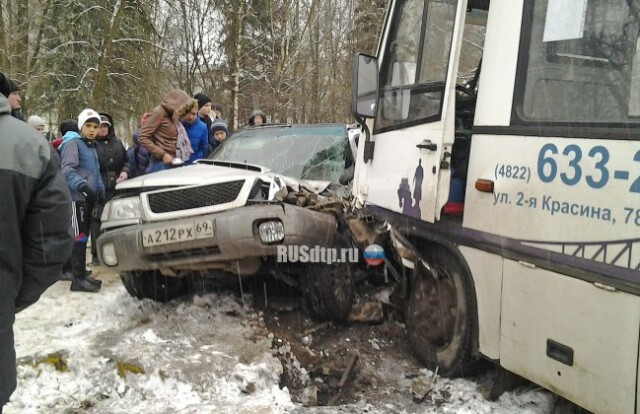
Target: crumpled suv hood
{"x":204,"y":173}
{"x":188,"y":175}
{"x":203,"y":188}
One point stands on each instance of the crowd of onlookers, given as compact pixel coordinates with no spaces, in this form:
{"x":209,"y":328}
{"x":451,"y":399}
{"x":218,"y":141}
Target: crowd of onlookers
{"x":56,"y":187}
{"x":179,"y":131}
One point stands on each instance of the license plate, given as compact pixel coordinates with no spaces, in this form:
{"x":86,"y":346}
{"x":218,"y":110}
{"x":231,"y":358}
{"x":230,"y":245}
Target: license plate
{"x":178,"y":233}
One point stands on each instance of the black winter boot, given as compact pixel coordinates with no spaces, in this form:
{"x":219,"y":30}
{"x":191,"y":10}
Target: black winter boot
{"x":67,"y":272}
{"x":82,"y":284}
{"x":81,"y":281}
{"x":94,"y":281}
{"x":66,"y":275}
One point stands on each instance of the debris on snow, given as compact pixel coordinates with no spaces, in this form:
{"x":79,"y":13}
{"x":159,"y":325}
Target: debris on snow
{"x":367,"y":312}
{"x":128,"y":367}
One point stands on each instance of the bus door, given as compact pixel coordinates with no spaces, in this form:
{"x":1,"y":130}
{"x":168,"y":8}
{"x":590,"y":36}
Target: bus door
{"x":414,"y":125}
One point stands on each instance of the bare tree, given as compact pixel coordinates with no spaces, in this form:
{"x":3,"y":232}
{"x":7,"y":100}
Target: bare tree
{"x":291,"y":58}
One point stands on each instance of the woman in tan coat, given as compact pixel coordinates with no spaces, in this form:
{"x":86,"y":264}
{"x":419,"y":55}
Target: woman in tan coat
{"x":160,"y":133}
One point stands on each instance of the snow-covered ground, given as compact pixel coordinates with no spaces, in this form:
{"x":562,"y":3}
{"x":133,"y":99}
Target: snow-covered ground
{"x":202,"y":354}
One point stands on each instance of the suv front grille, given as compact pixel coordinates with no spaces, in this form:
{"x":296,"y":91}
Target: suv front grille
{"x":195,"y":197}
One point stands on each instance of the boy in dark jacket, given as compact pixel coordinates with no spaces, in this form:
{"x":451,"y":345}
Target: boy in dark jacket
{"x":204,"y":110}
{"x":82,"y":173}
{"x":64,"y":127}
{"x":219,"y":132}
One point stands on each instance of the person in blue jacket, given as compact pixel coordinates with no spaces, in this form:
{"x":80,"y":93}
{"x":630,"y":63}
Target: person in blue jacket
{"x":82,"y":172}
{"x":198,"y":134}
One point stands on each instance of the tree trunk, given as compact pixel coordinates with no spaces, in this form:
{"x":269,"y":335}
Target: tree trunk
{"x":4,"y":49}
{"x":19,"y":62}
{"x":100,"y":86}
{"x":236,"y":53}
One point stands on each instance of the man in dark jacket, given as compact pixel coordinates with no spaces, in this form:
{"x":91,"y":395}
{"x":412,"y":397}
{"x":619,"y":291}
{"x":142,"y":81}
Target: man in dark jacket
{"x":114,"y":168}
{"x":35,"y":230}
{"x":10,"y":90}
{"x":204,"y":110}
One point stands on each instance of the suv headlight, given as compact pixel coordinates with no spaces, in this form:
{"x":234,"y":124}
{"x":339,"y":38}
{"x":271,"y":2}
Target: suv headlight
{"x":122,"y":209}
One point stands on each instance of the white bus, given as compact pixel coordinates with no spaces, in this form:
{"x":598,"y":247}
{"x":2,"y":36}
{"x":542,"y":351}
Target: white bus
{"x":503,"y":141}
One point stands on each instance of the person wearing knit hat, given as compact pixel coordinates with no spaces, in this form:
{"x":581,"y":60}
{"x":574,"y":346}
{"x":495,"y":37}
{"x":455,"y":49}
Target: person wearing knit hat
{"x":89,"y":116}
{"x":219,"y":132}
{"x":203,"y":100}
{"x":82,"y":173}
{"x":204,"y":112}
{"x":37,"y":122}
{"x":11,"y":91}
{"x":257,"y":118}
{"x":216,"y":115}
{"x":114,"y":168}
{"x":68,"y":125}
{"x":64,"y":127}
{"x":105,"y":121}
{"x":5,"y":86}
{"x":220,"y":126}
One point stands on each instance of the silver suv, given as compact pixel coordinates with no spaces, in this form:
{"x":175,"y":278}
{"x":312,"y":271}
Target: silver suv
{"x":263,"y":187}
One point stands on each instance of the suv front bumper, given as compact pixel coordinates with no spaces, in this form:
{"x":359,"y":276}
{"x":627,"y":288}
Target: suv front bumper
{"x":235,"y":239}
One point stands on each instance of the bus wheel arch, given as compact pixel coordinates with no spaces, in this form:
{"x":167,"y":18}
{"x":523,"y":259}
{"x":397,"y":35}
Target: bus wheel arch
{"x":441,"y":314}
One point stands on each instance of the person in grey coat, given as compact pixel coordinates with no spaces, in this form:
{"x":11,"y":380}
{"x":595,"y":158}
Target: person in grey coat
{"x":35,"y":230}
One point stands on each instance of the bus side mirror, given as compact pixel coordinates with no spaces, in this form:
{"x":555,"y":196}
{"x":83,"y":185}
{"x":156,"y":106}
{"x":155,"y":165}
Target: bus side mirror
{"x":364,"y":99}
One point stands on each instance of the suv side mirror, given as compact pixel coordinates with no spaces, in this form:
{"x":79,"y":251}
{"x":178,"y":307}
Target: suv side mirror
{"x":364,"y":99}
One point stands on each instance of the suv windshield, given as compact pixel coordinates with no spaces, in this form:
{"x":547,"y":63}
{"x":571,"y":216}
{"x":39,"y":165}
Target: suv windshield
{"x":309,"y":152}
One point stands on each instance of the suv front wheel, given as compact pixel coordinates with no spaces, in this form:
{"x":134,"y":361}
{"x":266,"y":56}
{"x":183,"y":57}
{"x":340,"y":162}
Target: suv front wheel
{"x":151,"y":284}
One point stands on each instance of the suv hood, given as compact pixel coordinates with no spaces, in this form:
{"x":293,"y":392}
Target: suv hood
{"x":203,"y":174}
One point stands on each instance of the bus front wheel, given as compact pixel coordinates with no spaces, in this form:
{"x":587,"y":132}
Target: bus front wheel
{"x":441,"y":320}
